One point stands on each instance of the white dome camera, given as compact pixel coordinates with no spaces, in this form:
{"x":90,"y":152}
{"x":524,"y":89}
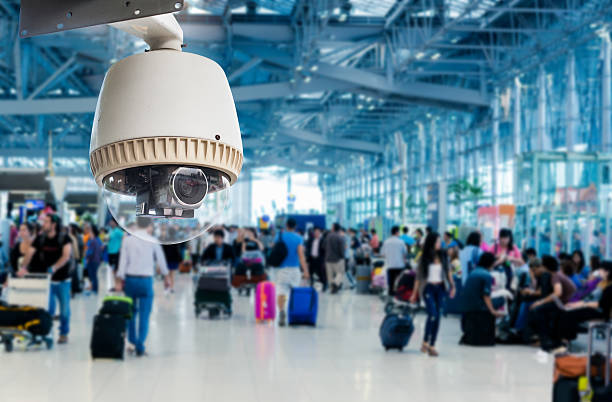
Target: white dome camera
{"x":165,"y":142}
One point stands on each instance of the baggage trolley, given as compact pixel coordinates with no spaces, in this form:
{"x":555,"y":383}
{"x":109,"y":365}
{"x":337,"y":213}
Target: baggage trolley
{"x":213,"y":291}
{"x":30,"y":290}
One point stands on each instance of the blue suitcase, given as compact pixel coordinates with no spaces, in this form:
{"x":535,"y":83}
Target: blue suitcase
{"x":395,"y":331}
{"x":303,"y":306}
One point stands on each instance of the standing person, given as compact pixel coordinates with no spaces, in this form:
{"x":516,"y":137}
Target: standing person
{"x":115,"y":237}
{"x":433,"y":279}
{"x":507,"y":255}
{"x":51,"y":252}
{"x":469,"y":256}
{"x":93,"y":256}
{"x":288,"y":275}
{"x":349,"y":258}
{"x":316,"y":258}
{"x":374,"y":242}
{"x":406,"y":238}
{"x":174,"y":257}
{"x":394,"y":251}
{"x":193,"y":246}
{"x":137,"y":261}
{"x":25,"y":237}
{"x":334,"y":258}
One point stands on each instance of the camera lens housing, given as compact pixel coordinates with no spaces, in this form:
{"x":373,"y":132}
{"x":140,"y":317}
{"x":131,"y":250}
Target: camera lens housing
{"x":189,"y":186}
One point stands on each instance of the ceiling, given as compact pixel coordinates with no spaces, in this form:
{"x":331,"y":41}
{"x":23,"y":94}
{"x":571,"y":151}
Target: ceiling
{"x":316,"y":82}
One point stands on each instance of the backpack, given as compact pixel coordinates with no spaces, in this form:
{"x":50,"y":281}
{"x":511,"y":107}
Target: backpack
{"x":278,"y":253}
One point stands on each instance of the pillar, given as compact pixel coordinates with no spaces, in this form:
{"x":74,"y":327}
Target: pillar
{"x":573,"y":119}
{"x":541,"y":131}
{"x":606,"y":107}
{"x":495,"y":146}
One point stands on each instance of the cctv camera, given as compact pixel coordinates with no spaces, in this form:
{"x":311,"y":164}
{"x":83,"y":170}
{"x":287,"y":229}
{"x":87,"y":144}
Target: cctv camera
{"x":165,"y":142}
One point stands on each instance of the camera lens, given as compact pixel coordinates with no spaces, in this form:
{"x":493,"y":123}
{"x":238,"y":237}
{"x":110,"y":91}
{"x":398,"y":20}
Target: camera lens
{"x":189,"y":186}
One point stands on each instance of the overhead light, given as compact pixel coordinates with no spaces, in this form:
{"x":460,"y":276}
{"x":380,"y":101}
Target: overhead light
{"x":314,"y":68}
{"x":436,"y":56}
{"x":420,"y":55}
{"x":359,"y":106}
{"x":336,"y":10}
{"x":13,"y":91}
{"x":307,"y":79}
{"x":371,"y":107}
{"x":456,"y":39}
{"x":342,"y":17}
{"x":299,"y":68}
{"x":292,"y":80}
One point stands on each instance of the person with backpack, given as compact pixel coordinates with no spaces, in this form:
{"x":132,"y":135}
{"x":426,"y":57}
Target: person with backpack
{"x":470,"y":255}
{"x":51,"y":252}
{"x":93,"y":256}
{"x":288,"y":256}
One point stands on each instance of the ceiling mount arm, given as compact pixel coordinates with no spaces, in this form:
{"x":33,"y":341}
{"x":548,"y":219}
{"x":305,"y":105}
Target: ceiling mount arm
{"x":158,"y":31}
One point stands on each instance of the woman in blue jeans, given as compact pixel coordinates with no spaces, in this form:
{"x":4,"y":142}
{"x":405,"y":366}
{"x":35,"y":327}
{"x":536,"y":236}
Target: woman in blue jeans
{"x":434,"y":278}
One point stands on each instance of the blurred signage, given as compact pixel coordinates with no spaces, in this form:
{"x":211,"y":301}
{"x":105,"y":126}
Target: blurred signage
{"x":34,"y":204}
{"x":573,"y":195}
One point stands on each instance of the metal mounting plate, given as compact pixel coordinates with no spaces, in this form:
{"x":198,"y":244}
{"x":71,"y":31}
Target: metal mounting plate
{"x":39,"y":17}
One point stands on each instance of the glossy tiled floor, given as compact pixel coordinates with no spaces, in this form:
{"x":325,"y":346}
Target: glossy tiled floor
{"x":236,"y":360}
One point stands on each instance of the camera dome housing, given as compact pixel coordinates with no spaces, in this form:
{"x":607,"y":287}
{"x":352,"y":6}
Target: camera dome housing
{"x":165,"y":142}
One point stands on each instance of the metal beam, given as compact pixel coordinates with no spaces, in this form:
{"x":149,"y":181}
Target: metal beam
{"x":48,"y":106}
{"x":59,"y":72}
{"x":273,"y":160}
{"x":428,"y":93}
{"x":339,"y":143}
{"x":254,"y":62}
{"x":397,"y":11}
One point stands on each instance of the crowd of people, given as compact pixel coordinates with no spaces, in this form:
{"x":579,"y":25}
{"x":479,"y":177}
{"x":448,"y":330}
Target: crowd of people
{"x":504,"y":294}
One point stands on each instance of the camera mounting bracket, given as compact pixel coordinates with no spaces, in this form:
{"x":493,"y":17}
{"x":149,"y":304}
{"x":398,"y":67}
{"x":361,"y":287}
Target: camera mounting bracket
{"x":39,"y":17}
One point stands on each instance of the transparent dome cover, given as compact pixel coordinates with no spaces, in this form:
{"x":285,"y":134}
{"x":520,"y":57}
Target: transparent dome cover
{"x":167,"y":203}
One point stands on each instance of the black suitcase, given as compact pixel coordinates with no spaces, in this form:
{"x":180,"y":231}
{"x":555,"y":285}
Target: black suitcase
{"x":108,"y":336}
{"x":566,"y":390}
{"x":214,"y":282}
{"x":36,"y":321}
{"x":117,"y":306}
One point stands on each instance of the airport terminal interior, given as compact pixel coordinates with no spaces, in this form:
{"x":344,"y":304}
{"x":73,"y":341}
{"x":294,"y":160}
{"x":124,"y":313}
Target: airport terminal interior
{"x":305,"y":200}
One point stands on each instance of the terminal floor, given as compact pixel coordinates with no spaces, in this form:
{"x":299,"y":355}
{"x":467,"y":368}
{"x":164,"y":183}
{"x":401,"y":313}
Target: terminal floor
{"x":236,"y":360}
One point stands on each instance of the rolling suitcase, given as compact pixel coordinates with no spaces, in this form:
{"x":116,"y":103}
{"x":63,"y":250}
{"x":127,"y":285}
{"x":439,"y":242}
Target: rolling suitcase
{"x":303,"y":306}
{"x":395,"y":331}
{"x":108,"y":336}
{"x":585,"y":377}
{"x":117,"y":305}
{"x":265,"y":301}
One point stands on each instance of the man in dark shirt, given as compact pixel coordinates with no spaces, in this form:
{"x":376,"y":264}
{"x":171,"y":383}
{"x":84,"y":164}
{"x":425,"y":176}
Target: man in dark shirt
{"x":218,"y":251}
{"x":476,"y":295}
{"x":51,"y":252}
{"x":334,"y":258}
{"x":479,"y":311}
{"x":544,"y":314}
{"x":315,"y":256}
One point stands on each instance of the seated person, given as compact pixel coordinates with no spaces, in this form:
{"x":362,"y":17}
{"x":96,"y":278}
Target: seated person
{"x":218,"y":251}
{"x":544,"y":313}
{"x":539,"y":286}
{"x":581,"y":311}
{"x":569,"y":269}
{"x":479,"y":310}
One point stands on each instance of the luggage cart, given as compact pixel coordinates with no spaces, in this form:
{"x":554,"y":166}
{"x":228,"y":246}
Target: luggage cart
{"x":212,"y":291}
{"x":31,"y":290}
